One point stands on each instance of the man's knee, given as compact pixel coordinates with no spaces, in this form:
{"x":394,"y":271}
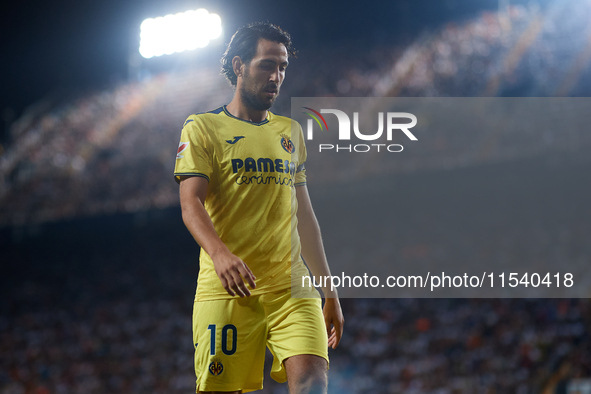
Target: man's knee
{"x":306,"y":374}
{"x":313,"y":382}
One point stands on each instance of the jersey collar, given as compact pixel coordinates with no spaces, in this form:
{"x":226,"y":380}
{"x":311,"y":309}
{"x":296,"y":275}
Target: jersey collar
{"x":247,"y":121}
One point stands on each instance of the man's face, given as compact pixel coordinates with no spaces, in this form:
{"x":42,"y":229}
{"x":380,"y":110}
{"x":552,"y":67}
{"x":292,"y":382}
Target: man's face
{"x":263,"y":76}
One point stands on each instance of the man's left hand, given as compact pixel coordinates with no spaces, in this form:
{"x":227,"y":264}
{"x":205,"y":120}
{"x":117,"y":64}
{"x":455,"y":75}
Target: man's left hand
{"x":333,"y":318}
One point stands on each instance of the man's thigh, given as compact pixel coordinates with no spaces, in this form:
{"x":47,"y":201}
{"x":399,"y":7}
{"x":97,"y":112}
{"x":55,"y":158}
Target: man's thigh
{"x":229,"y":338}
{"x":296,"y":327}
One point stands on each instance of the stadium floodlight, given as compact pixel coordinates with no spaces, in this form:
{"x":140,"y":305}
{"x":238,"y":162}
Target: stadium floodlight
{"x":177,"y":33}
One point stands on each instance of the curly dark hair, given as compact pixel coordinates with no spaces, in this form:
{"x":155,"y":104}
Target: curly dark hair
{"x":244,"y":44}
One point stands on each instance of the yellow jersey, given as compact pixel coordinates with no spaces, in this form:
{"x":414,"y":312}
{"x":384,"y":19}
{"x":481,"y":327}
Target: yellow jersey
{"x":252,"y":169}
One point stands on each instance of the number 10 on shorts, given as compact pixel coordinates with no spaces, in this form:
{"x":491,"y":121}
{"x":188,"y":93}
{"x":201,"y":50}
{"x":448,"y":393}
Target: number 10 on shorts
{"x":225,"y":329}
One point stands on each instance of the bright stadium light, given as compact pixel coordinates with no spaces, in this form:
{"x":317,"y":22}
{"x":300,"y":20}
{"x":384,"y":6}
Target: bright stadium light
{"x":177,"y":33}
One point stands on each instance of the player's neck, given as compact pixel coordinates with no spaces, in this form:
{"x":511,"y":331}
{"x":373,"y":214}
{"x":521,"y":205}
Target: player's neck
{"x":238,"y":109}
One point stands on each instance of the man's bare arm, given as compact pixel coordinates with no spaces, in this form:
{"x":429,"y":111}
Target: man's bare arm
{"x":315,"y":257}
{"x":229,"y":268}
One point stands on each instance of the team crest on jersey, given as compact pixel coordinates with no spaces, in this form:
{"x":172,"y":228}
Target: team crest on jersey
{"x":216,"y":367}
{"x":182,"y":147}
{"x":286,"y":143}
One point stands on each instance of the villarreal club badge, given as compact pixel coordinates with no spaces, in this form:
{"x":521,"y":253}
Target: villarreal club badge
{"x":216,"y":367}
{"x":286,"y":143}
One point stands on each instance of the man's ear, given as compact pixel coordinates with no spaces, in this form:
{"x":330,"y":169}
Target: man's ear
{"x":237,"y":66}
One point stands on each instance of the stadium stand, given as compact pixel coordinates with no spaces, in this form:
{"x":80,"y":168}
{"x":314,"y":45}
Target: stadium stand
{"x":121,"y":138}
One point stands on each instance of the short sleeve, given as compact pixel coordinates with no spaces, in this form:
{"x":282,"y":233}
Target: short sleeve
{"x":301,"y":154}
{"x":194,"y":154}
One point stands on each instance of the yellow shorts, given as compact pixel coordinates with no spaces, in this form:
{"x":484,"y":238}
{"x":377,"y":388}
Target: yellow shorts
{"x":230,"y":337}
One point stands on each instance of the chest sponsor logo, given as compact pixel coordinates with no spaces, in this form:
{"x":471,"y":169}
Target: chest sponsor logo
{"x":283,"y":171}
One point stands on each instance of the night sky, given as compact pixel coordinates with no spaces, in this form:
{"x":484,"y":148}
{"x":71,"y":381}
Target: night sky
{"x":50,"y":47}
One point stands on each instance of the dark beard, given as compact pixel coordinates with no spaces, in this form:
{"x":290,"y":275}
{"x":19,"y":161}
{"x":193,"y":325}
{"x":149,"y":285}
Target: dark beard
{"x":253,"y":101}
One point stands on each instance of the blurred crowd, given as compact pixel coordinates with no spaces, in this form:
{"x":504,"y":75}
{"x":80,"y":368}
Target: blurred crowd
{"x":459,"y":346}
{"x":103,"y":153}
{"x":126,"y":344}
{"x":104,"y":313}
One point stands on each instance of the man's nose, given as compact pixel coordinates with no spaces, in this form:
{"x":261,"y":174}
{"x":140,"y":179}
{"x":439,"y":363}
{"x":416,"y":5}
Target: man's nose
{"x":275,"y":76}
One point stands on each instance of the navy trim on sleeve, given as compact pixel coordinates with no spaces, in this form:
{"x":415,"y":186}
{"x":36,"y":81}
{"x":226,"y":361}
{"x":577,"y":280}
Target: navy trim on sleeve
{"x":177,"y":174}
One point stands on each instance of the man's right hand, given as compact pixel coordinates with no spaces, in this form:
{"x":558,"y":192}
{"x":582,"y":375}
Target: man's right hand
{"x":230,"y":269}
{"x":233,"y":272}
